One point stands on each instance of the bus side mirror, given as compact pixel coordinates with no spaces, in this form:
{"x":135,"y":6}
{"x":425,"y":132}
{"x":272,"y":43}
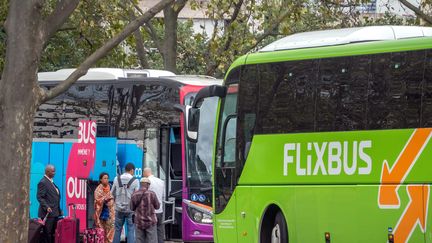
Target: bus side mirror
{"x":192,"y":126}
{"x":209,"y":91}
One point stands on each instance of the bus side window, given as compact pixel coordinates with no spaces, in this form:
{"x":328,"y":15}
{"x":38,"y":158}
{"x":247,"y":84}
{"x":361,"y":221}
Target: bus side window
{"x":333,"y":73}
{"x":426,"y":116}
{"x":395,"y":90}
{"x":353,"y":74}
{"x":78,"y":105}
{"x":48,"y":118}
{"x":247,"y":110}
{"x":121,"y":101}
{"x":287,"y":97}
{"x":103,"y":103}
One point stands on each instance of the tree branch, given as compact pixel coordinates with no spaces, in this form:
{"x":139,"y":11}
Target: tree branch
{"x":179,"y":5}
{"x":417,"y":11}
{"x":152,"y":32}
{"x":229,"y":39}
{"x":269,"y":31}
{"x":140,"y":49}
{"x":340,"y":4}
{"x":236,"y":12}
{"x":102,"y":52}
{"x":58,"y":17}
{"x":139,"y":41}
{"x":137,"y":8}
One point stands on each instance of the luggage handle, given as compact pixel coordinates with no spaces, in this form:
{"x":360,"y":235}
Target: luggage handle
{"x":45,"y":218}
{"x":74,"y":209}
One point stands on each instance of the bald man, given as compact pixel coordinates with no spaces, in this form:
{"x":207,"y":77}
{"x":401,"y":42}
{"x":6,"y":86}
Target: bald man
{"x":157,"y":186}
{"x":48,"y":196}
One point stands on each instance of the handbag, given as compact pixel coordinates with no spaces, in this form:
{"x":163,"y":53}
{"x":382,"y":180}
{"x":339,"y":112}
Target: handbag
{"x":105,"y":214}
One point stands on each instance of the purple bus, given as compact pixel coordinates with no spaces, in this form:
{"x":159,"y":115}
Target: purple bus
{"x":197,"y":167}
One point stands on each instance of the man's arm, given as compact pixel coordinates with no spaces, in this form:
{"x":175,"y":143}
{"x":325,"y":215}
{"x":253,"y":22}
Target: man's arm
{"x":114,"y":188}
{"x":155,"y":201}
{"x":135,"y":185}
{"x":163,"y":190}
{"x":132,"y":203}
{"x":41,"y":193}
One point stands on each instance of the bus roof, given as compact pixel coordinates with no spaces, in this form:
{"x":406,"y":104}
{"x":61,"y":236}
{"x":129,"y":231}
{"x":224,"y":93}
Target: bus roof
{"x":347,"y":36}
{"x":405,"y":38}
{"x":198,"y":80}
{"x":149,"y":76}
{"x":103,"y":74}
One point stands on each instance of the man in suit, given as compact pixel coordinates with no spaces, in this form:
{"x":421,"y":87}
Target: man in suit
{"x":48,"y":196}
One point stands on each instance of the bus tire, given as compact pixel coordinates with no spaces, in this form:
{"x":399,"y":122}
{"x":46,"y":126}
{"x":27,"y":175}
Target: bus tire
{"x":279,"y":232}
{"x":273,"y":226}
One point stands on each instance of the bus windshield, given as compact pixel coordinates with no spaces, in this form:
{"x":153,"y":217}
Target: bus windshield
{"x":199,"y":169}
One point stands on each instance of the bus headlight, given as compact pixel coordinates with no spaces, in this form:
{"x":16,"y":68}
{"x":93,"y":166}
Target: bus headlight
{"x":200,"y":217}
{"x":197,"y":216}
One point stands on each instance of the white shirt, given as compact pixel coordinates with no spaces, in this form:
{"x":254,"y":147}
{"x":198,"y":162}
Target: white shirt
{"x":158,"y":187}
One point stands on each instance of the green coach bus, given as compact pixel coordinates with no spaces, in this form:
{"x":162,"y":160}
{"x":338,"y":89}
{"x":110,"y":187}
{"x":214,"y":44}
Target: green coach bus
{"x":324,"y":137}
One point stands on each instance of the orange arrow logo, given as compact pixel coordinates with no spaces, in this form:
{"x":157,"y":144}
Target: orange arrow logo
{"x":388,"y":196}
{"x":415,"y":213}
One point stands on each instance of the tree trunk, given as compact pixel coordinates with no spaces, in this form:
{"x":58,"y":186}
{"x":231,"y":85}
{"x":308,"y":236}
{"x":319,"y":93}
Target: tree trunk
{"x":20,"y":96}
{"x":18,"y":101}
{"x":142,"y":56}
{"x":170,"y":40}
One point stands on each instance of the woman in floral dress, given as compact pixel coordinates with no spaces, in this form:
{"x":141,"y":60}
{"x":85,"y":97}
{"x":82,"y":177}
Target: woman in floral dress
{"x":104,"y":217}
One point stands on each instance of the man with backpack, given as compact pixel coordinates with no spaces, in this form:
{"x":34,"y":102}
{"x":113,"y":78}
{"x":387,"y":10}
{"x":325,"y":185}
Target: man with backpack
{"x":123,"y":188}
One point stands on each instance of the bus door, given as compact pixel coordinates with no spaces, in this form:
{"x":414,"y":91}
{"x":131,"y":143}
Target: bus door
{"x":39,"y":159}
{"x":46,"y":153}
{"x":170,"y":157}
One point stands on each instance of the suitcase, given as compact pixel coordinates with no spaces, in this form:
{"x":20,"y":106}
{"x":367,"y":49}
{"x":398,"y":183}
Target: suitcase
{"x":95,"y":235}
{"x":67,"y":230}
{"x":37,"y":231}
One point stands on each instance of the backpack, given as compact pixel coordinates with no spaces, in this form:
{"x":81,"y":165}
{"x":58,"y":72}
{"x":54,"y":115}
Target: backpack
{"x":123,"y":196}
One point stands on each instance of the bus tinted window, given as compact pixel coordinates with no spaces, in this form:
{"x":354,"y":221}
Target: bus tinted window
{"x":426,"y":112}
{"x":287,"y":97}
{"x":247,"y":112}
{"x":48,"y":118}
{"x":413,"y":81}
{"x":78,"y":102}
{"x":395,"y":90}
{"x":225,"y":166}
{"x":354,"y":94}
{"x":382,"y":91}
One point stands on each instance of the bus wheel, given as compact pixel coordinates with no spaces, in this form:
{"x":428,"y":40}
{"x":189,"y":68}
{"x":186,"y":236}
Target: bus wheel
{"x":279,"y":232}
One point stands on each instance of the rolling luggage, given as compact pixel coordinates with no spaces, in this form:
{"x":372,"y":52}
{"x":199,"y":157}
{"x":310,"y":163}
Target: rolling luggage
{"x":37,"y":231}
{"x":67,"y":230}
{"x":95,"y":235}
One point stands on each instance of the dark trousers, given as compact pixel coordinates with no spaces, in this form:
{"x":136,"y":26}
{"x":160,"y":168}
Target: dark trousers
{"x":160,"y":228}
{"x":148,"y":235}
{"x":51,"y":225}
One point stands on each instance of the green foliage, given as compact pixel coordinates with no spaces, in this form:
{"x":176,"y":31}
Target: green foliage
{"x":3,"y":14}
{"x":91,"y":24}
{"x":237,"y":31}
{"x":389,"y":19}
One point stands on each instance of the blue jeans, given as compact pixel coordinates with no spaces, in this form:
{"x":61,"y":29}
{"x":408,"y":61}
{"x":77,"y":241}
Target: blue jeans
{"x":120,"y":219}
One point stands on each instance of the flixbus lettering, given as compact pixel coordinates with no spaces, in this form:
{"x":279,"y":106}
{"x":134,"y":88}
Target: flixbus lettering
{"x":328,"y":158}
